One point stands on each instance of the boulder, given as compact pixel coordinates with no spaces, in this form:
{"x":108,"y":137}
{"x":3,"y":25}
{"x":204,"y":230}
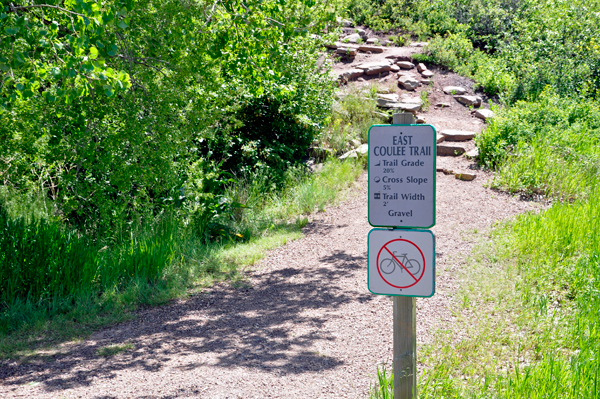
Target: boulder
{"x":413,"y":108}
{"x":351,"y":74}
{"x":405,"y":64}
{"x":388,"y":97}
{"x":395,"y":68}
{"x":349,"y":51}
{"x":408,"y":82}
{"x":349,"y":154}
{"x":421,"y":67}
{"x":374,"y":68}
{"x":457,"y":90}
{"x":363,"y":149}
{"x":373,"y":49}
{"x":353,"y":38}
{"x":457,"y":135}
{"x":484,"y":114}
{"x":407,"y":98}
{"x":452,"y":150}
{"x":469,"y":100}
{"x":427,"y":74}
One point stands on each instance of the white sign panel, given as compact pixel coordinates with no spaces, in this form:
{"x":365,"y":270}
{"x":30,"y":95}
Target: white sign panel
{"x":402,"y":176}
{"x":401,"y":262}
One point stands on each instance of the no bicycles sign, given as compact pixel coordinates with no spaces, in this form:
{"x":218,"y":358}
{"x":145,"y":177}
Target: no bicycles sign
{"x":401,"y":262}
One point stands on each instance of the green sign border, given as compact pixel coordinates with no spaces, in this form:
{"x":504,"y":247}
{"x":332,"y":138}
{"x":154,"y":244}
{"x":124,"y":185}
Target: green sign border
{"x":369,"y":262}
{"x":434,"y":179}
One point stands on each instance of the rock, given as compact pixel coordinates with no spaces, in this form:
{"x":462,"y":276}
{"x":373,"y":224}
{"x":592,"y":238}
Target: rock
{"x":457,"y":135}
{"x":425,"y":81}
{"x":427,"y":74}
{"x":351,"y":74}
{"x":442,"y":105}
{"x":440,"y":138}
{"x":484,"y":114}
{"x":420,"y":119}
{"x":361,"y":79}
{"x":450,"y":150}
{"x":355,"y":143}
{"x":395,"y":68}
{"x":469,"y":100}
{"x":408,"y":82}
{"x":349,"y":154}
{"x":405,"y":64}
{"x":473,"y":153}
{"x":346,"y":23}
{"x":372,"y":40}
{"x":421,"y":67}
{"x":407,"y":98}
{"x":447,"y":171}
{"x":388,"y":97}
{"x":372,"y":49}
{"x":361,"y":32}
{"x":353,"y":38}
{"x":413,"y":108}
{"x":419,"y":44}
{"x":362,"y":150}
{"x":465,"y":176}
{"x":332,"y":46}
{"x":455,"y":90}
{"x":349,"y":51}
{"x":373,"y":68}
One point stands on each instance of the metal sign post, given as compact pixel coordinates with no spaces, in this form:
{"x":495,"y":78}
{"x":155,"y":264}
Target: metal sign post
{"x":401,"y":262}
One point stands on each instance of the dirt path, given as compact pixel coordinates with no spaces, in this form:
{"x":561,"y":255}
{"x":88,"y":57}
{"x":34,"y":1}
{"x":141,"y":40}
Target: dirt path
{"x":304,"y":327}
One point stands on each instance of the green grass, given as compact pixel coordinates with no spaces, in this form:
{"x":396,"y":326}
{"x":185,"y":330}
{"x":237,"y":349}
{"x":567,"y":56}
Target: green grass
{"x":527,"y":316}
{"x":106,"y":284}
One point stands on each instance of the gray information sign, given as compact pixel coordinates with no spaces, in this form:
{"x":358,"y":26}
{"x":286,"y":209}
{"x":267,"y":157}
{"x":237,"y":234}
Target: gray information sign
{"x":401,"y":262}
{"x":402,"y":176}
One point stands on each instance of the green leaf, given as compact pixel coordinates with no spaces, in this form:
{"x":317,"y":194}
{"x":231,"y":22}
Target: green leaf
{"x":122,"y":25}
{"x":12,"y":30}
{"x":113,"y":50}
{"x":93,"y":53}
{"x":108,"y":90}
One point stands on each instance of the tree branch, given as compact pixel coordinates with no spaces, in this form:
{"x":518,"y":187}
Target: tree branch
{"x":12,"y":8}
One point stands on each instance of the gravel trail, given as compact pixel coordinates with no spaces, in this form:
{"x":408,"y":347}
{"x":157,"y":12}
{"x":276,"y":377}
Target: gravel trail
{"x":305,"y":326}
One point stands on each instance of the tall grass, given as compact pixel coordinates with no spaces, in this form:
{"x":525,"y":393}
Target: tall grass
{"x":528,"y":314}
{"x":56,"y":283}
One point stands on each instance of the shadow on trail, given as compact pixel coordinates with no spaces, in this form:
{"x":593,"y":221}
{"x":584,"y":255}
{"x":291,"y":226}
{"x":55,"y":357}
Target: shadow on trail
{"x":270,"y":326}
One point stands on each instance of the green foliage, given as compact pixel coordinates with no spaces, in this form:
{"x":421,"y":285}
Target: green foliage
{"x":550,"y":146}
{"x":189,"y":79}
{"x":353,"y":114}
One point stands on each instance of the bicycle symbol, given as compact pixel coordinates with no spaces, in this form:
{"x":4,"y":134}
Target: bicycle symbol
{"x":388,"y":265}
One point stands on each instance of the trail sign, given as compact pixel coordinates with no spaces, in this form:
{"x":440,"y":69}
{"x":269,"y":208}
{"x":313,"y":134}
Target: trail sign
{"x":401,"y":262}
{"x":402,"y":176}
